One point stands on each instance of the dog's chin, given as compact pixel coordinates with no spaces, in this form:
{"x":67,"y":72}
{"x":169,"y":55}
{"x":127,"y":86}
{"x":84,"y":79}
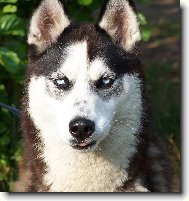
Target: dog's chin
{"x":88,"y":149}
{"x":84,"y":147}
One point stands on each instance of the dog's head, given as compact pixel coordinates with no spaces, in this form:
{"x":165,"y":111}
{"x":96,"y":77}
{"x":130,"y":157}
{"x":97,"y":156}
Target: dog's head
{"x":84,"y":79}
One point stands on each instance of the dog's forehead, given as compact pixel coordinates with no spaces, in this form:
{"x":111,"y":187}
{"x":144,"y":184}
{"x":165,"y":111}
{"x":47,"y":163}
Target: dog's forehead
{"x":84,"y":47}
{"x":77,"y":62}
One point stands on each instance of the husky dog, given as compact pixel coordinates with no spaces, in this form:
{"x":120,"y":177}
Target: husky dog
{"x":85,"y":119}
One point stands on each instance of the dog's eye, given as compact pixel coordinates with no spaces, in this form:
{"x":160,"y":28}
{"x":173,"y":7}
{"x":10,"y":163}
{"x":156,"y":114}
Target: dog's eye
{"x":105,"y":82}
{"x":62,"y":83}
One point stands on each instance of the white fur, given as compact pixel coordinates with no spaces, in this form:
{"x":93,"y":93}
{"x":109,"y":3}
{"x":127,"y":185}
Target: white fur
{"x":117,"y":121}
{"x":59,"y":18}
{"x":97,"y":69}
{"x":76,"y":61}
{"x":130,"y":26}
{"x":139,"y":187}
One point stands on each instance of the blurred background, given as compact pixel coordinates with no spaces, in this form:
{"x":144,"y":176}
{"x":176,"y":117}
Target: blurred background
{"x":161,"y":54}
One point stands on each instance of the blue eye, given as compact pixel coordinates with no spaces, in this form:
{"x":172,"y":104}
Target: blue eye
{"x":62,"y":83}
{"x":105,"y":82}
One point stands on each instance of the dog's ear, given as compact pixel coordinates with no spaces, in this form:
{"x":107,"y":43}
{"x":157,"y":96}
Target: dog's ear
{"x":119,"y":19}
{"x":47,"y":23}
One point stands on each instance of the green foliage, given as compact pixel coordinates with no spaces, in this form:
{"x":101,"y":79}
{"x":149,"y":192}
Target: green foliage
{"x":13,"y":59}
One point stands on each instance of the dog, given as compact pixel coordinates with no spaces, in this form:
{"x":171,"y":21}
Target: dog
{"x":86,"y":120}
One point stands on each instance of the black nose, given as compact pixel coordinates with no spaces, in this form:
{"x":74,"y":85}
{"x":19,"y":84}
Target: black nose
{"x":81,"y":128}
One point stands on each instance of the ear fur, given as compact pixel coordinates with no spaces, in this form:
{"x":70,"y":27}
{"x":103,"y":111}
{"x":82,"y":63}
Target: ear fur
{"x":119,"y":20}
{"x":47,"y":23}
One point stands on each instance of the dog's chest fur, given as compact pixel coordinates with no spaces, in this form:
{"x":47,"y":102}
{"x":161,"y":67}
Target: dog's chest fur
{"x":83,"y":173}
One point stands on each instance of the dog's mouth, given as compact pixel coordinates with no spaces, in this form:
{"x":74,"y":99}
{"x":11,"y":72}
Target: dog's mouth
{"x":85,"y":145}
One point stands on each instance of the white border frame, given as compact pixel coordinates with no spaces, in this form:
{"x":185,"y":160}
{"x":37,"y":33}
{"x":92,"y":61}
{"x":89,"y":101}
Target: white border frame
{"x":184,"y":196}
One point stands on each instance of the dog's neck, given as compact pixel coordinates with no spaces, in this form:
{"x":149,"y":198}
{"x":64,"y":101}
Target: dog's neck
{"x":69,"y":170}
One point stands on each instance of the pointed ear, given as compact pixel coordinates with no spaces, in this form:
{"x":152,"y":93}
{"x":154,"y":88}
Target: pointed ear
{"x":47,"y":23}
{"x":119,"y":20}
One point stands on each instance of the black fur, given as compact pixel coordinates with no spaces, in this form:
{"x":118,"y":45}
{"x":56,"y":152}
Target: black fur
{"x":99,"y":45}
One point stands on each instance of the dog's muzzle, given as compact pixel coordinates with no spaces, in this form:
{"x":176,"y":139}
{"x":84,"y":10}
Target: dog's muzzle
{"x":82,"y":129}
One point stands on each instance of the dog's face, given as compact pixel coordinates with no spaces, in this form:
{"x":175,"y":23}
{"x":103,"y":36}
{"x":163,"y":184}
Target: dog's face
{"x":81,"y":76}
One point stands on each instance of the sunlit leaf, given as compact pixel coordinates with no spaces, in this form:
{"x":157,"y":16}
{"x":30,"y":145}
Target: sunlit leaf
{"x":9,"y":21}
{"x":142,"y":19}
{"x":85,"y":2}
{"x":146,"y":34}
{"x":9,"y":60}
{"x":16,"y":32}
{"x":11,"y":24}
{"x":9,"y":9}
{"x":3,"y":162}
{"x":8,"y":1}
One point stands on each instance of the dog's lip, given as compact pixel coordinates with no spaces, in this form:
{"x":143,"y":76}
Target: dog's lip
{"x":84,"y":145}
